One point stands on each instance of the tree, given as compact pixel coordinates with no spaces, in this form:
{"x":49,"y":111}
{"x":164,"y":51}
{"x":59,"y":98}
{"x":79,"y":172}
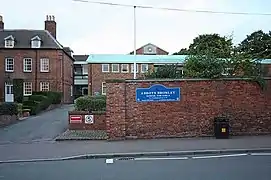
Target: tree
{"x":211,"y":43}
{"x":203,"y":66}
{"x":257,"y":45}
{"x":165,"y":71}
{"x":183,"y":51}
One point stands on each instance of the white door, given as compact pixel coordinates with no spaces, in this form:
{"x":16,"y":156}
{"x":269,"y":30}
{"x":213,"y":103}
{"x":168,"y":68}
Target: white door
{"x":9,"y":96}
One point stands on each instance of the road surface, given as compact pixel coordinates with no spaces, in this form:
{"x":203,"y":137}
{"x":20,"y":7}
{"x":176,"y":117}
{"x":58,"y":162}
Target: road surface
{"x":204,"y":167}
{"x":43,"y":127}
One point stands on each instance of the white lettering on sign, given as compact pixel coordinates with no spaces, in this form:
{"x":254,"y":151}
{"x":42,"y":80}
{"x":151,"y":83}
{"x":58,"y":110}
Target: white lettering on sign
{"x":89,"y":119}
{"x":75,"y":119}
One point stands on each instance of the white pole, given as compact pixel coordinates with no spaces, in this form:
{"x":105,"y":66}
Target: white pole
{"x":135,"y":42}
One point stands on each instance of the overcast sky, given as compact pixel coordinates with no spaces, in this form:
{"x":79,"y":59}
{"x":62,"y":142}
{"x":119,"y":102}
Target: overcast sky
{"x":92,"y":28}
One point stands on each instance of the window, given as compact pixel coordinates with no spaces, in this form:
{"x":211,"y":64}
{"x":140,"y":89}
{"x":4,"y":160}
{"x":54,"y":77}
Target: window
{"x":103,"y":88}
{"x":132,"y":68}
{"x":115,"y":68}
{"x":85,"y":69}
{"x":44,"y":86}
{"x":27,"y":88}
{"x":44,"y":65}
{"x":125,"y":68}
{"x":27,"y":64}
{"x":71,"y":90}
{"x":9,"y":43}
{"x":9,"y":64}
{"x":105,"y":67}
{"x":35,"y":43}
{"x":144,"y":68}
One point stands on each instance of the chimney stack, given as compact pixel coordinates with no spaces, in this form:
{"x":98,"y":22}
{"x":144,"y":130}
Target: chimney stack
{"x":1,"y":23}
{"x":50,"y":25}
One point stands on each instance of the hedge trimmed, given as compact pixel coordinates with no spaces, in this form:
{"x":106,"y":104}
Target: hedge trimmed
{"x":55,"y":97}
{"x":90,"y":103}
{"x":34,"y":106}
{"x":8,"y":109}
{"x":45,"y":102}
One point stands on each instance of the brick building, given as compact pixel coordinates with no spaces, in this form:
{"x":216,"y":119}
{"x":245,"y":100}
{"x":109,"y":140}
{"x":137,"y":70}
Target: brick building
{"x":36,"y":57}
{"x":93,"y":83}
{"x":103,"y":67}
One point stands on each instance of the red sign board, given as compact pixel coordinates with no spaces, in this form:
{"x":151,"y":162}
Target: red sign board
{"x":75,"y":119}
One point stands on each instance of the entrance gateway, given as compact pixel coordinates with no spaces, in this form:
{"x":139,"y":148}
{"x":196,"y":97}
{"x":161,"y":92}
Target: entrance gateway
{"x":9,"y":96}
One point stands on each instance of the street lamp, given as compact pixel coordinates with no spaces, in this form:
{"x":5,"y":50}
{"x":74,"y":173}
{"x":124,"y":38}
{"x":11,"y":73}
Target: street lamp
{"x":135,"y":69}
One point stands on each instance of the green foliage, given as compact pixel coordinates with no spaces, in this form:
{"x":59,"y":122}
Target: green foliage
{"x":18,"y":90}
{"x":34,"y":106}
{"x":165,"y":71}
{"x":44,"y":101}
{"x":8,"y":109}
{"x":211,"y":43}
{"x":90,"y":103}
{"x":183,"y":51}
{"x":203,"y":66}
{"x":20,"y":108}
{"x":55,"y":97}
{"x":257,"y":45}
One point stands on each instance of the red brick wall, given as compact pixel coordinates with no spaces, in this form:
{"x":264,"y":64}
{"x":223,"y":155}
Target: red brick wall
{"x":99,"y":122}
{"x":246,"y":105}
{"x":58,"y":60}
{"x":96,"y":76}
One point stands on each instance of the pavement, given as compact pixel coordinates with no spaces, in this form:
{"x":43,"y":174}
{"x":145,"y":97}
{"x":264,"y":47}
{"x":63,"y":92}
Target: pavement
{"x":233,"y":167}
{"x":34,"y":138}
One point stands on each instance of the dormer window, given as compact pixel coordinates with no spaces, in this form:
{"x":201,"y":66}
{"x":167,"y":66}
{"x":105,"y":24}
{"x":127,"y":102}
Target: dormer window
{"x":9,"y":42}
{"x":35,"y":42}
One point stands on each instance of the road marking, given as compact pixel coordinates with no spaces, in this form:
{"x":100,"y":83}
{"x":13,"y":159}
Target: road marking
{"x":219,"y":156}
{"x":109,"y":161}
{"x":163,"y":158}
{"x":260,"y":154}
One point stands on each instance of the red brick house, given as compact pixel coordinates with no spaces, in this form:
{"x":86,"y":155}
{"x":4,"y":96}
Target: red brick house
{"x":36,"y":57}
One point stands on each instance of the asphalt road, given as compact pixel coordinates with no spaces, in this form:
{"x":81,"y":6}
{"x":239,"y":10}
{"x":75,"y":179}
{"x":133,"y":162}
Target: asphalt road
{"x":207,"y":168}
{"x":43,"y":127}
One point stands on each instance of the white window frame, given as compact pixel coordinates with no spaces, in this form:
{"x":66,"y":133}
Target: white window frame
{"x":43,"y":62}
{"x":9,"y":43}
{"x":71,"y":90}
{"x":142,"y":68}
{"x":11,"y":64}
{"x":35,"y":43}
{"x":112,"y":67}
{"x":132,"y":68}
{"x":103,"y":86}
{"x":26,"y":65}
{"x":103,"y":65}
{"x":122,"y":67}
{"x":27,"y":88}
{"x":85,"y":69}
{"x":44,"y":86}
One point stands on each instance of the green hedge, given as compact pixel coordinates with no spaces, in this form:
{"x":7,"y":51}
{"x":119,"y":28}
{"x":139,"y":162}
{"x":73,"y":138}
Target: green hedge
{"x":90,"y":103}
{"x":8,"y":109}
{"x":18,"y":90}
{"x":44,"y":101}
{"x":34,"y":106}
{"x":55,"y":97}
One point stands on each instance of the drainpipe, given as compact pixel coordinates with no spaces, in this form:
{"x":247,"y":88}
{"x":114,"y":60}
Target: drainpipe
{"x":36,"y":71}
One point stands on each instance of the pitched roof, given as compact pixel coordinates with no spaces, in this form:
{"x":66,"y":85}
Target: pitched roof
{"x":80,"y":57}
{"x":23,"y":38}
{"x":148,"y":45}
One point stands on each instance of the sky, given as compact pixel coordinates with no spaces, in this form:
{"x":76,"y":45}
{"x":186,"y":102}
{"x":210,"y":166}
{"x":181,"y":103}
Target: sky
{"x":100,"y":29}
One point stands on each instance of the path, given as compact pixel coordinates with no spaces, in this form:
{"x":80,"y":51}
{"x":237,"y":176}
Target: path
{"x":43,"y":127}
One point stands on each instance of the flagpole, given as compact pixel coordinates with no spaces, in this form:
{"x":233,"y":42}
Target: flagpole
{"x":135,"y":69}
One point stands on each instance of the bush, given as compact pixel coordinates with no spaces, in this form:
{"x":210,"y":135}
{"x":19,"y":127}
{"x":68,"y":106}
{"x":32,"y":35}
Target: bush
{"x":8,"y":109}
{"x":55,"y":97}
{"x":34,"y":106}
{"x":20,"y":108}
{"x":45,"y":102}
{"x":91,"y":103}
{"x":18,"y":90}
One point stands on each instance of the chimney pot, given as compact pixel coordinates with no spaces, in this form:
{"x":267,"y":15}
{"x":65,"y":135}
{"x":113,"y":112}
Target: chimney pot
{"x":50,"y":25}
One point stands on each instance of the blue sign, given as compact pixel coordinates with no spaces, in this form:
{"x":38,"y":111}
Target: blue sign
{"x":158,"y":93}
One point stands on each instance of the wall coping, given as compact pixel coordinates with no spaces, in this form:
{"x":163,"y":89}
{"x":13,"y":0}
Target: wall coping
{"x":186,"y":79}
